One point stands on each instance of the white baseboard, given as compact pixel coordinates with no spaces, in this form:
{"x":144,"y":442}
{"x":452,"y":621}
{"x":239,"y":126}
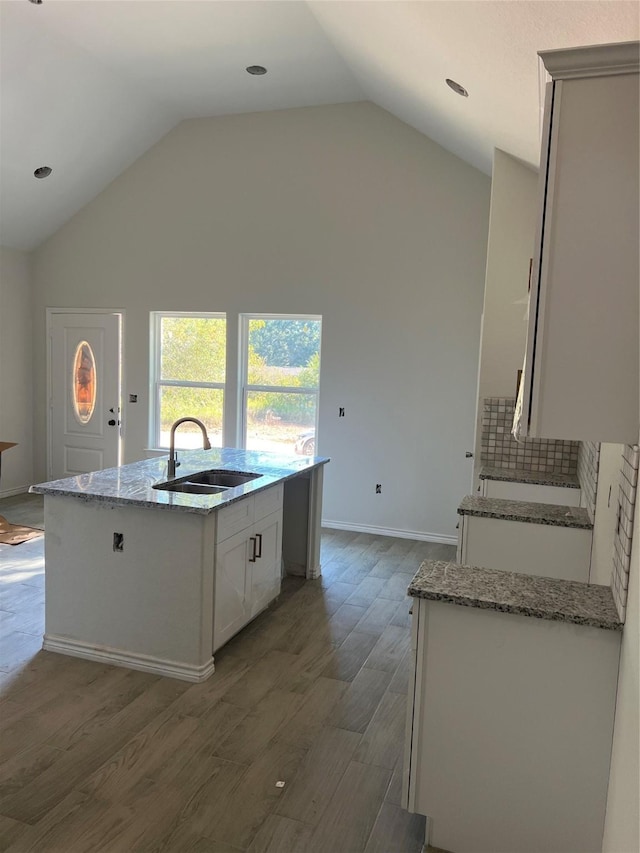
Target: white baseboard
{"x":391,"y":531}
{"x":314,"y":573}
{"x":9,"y":493}
{"x":131,"y":660}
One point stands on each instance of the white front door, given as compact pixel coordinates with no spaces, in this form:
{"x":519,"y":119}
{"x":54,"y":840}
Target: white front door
{"x":84,"y":401}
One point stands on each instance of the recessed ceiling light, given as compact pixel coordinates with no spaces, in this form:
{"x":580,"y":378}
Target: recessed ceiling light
{"x":257,"y":69}
{"x":42,"y":172}
{"x":457,"y":88}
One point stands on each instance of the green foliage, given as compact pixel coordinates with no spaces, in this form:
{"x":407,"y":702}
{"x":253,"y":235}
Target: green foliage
{"x":285,"y":343}
{"x":288,"y":407}
{"x":204,"y":403}
{"x":194,"y":349}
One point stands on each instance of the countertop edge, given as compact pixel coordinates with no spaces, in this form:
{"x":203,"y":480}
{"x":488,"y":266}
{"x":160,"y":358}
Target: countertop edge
{"x":533,"y":596}
{"x":533,"y":613}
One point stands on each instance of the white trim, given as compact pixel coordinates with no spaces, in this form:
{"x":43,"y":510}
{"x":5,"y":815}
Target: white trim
{"x":18,"y":490}
{"x":440,"y":538}
{"x":594,"y":60}
{"x":49,"y":312}
{"x":131,"y":660}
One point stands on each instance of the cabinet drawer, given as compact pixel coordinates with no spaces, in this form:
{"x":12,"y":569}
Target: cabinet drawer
{"x":236,"y":517}
{"x":268,"y":501}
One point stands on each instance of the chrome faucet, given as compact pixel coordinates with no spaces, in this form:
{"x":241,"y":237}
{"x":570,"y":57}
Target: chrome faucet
{"x":206,"y":444}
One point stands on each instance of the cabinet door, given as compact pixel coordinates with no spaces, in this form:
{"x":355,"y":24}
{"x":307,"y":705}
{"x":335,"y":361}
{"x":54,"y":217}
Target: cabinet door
{"x":581,"y":372}
{"x":231,"y":608}
{"x":265,"y":572}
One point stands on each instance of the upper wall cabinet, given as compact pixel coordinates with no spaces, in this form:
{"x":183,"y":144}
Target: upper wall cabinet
{"x":582,"y":363}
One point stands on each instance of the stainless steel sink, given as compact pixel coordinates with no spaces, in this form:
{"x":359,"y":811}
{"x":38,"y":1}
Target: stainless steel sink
{"x":229,"y":479}
{"x":208,"y":482}
{"x":191,"y":488}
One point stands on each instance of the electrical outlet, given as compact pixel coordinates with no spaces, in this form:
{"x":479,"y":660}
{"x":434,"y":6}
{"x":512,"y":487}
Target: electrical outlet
{"x":378,"y":488}
{"x":118,"y":541}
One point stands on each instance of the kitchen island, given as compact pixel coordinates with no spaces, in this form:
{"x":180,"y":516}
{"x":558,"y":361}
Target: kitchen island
{"x":157,"y":580}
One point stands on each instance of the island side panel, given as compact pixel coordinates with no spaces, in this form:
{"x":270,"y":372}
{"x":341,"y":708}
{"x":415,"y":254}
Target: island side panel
{"x":301,"y":524}
{"x":148,"y":606}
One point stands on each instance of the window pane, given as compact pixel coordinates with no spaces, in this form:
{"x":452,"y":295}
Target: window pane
{"x":284,"y":352}
{"x":193,"y":348}
{"x":84,"y":382}
{"x":203,"y":403}
{"x":281,"y":422}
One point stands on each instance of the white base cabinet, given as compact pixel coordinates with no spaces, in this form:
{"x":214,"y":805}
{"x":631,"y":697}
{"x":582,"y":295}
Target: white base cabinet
{"x":509,"y":732}
{"x":532,"y":549}
{"x":531,"y":492}
{"x":181,"y":586}
{"x":247,"y":576}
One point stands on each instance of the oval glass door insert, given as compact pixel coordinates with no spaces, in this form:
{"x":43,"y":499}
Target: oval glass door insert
{"x":84,"y":382}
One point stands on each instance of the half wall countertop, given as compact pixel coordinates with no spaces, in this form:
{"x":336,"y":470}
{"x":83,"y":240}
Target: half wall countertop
{"x":526,"y":511}
{"x":538,"y":478}
{"x":511,"y":592}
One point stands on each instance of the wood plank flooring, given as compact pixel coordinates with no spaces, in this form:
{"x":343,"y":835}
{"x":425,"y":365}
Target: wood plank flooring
{"x":312,"y":694}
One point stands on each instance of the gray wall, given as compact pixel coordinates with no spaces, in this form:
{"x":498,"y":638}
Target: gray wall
{"x":512,"y":228}
{"x":342,"y":211}
{"x":16,"y":370}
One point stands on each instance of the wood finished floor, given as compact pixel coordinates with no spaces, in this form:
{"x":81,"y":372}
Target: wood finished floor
{"x":313,"y":693}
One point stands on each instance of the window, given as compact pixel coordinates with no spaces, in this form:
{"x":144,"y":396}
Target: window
{"x":280,"y":362}
{"x":189,"y":372}
{"x":84,"y":382}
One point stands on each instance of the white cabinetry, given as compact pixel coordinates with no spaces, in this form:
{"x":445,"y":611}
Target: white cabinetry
{"x":581,"y":371}
{"x":247,"y":561}
{"x":509,"y":733}
{"x":532,"y":549}
{"x":533,"y":492}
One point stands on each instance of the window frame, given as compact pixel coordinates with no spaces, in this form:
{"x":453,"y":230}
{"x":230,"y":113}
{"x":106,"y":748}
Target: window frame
{"x":243,"y":370}
{"x":157,"y":383}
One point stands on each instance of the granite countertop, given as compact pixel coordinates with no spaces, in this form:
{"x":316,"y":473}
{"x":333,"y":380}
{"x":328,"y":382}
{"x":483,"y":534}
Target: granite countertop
{"x":132,"y":485}
{"x":538,"y":478}
{"x":510,"y":592}
{"x":533,"y":513}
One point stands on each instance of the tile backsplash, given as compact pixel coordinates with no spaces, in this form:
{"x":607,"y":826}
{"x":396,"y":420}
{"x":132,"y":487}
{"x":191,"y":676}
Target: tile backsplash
{"x":499,"y":449}
{"x":588,"y":465}
{"x":624,"y":527}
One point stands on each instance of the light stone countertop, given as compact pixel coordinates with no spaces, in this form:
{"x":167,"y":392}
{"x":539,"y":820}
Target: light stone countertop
{"x":132,"y":484}
{"x":526,"y":511}
{"x":511,"y":592}
{"x":538,"y":478}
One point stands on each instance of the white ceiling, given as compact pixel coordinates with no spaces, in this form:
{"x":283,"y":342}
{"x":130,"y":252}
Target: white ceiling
{"x":86,"y":86}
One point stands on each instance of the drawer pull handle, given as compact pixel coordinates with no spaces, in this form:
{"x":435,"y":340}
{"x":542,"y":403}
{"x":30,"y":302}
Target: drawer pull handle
{"x":259,"y":538}
{"x":252,"y":558}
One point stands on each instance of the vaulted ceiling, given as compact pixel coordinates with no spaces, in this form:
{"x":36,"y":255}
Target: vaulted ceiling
{"x":86,"y":86}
